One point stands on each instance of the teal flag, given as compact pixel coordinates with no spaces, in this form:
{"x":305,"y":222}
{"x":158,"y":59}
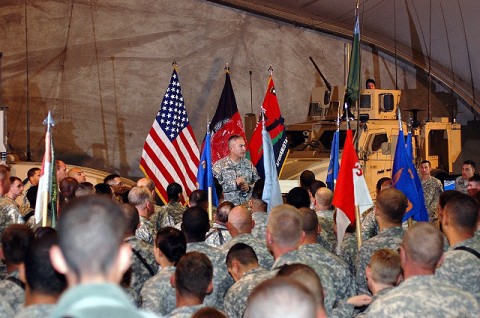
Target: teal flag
{"x":353,"y":82}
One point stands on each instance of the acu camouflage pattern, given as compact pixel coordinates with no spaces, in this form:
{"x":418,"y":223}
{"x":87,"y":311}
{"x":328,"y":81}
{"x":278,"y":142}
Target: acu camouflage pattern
{"x":146,"y":231}
{"x":348,"y":251}
{"x":369,"y":224}
{"x":185,"y":312}
{"x":236,"y":298}
{"x":157,"y":294}
{"x":218,"y":235}
{"x":343,"y":280}
{"x":387,"y":238}
{"x":140,"y":273}
{"x":226,"y":171}
{"x":175,"y":211}
{"x":265,"y":259}
{"x":462,"y":268}
{"x":461,"y":185}
{"x":35,"y":311}
{"x":221,"y":279}
{"x":5,"y":310}
{"x":424,"y":296}
{"x":259,"y":231}
{"x":11,"y":292}
{"x":9,"y":214}
{"x":327,"y":237}
{"x":432,"y":188}
{"x":295,"y":257}
{"x":160,"y":218}
{"x":346,"y":310}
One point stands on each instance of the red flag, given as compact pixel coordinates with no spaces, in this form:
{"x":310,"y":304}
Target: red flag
{"x":226,"y":122}
{"x":170,"y":153}
{"x":275,"y":126}
{"x":351,"y":189}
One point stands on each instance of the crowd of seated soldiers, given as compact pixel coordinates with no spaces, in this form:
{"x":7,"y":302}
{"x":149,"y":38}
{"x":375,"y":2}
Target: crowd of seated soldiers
{"x":116,"y":252}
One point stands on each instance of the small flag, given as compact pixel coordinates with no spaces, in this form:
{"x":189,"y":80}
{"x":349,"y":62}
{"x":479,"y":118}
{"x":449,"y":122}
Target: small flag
{"x":170,"y":153}
{"x":276,"y":128}
{"x":205,"y":174}
{"x":404,"y":177}
{"x":46,"y":206}
{"x":271,"y":191}
{"x":226,"y":122}
{"x":332,"y":172}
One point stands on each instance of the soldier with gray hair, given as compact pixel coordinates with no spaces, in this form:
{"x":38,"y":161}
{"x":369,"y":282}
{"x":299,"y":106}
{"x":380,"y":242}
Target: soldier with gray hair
{"x":422,"y":293}
{"x":161,"y":217}
{"x":142,"y":199}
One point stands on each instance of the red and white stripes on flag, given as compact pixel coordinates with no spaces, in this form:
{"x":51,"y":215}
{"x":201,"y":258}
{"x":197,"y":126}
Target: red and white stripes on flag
{"x":170,"y":153}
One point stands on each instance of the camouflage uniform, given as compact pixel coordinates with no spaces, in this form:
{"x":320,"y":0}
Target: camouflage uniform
{"x":265,"y":259}
{"x":295,"y":257}
{"x":140,"y":273}
{"x":260,"y":229}
{"x":5,"y":310}
{"x":145,"y":231}
{"x":387,"y":238}
{"x":236,"y":298}
{"x":348,"y":251}
{"x":369,"y":224}
{"x":175,"y":210}
{"x":221,"y":279}
{"x":226,"y":171}
{"x":461,"y":185}
{"x":11,"y":292}
{"x":157,"y":294}
{"x":462,"y":268}
{"x":346,"y":310}
{"x":185,"y":311}
{"x":9,"y":214}
{"x":424,"y":296}
{"x":343,"y":281}
{"x":432,"y":187}
{"x":218,"y":235}
{"x":327,"y":236}
{"x":160,"y":218}
{"x":35,"y":311}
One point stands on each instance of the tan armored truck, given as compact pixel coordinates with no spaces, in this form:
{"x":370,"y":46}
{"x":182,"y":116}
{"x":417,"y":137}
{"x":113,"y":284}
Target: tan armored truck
{"x":375,"y":131}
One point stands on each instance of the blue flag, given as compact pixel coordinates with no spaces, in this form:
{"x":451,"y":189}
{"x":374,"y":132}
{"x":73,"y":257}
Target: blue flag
{"x":405,"y":179}
{"x":271,"y":191}
{"x":205,"y":174}
{"x":409,"y":147}
{"x":332,"y":174}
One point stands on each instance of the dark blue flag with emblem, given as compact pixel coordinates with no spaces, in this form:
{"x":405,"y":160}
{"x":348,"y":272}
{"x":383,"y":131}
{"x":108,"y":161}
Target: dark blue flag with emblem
{"x":404,"y":179}
{"x":332,"y":172}
{"x":205,"y":174}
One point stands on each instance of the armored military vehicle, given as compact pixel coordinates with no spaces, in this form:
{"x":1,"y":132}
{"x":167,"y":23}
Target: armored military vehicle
{"x":376,"y":131}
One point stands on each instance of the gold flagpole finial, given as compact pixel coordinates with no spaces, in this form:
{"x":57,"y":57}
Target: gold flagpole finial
{"x":174,"y":64}
{"x":227,"y":68}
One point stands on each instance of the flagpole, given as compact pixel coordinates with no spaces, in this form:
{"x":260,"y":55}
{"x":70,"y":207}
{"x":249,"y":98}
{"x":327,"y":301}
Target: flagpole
{"x":48,"y":151}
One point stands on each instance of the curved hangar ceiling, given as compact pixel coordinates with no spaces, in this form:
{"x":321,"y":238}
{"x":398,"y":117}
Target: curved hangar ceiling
{"x":438,"y":36}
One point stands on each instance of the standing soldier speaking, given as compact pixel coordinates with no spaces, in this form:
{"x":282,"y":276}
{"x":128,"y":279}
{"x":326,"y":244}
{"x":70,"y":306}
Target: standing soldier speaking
{"x":235,"y":173}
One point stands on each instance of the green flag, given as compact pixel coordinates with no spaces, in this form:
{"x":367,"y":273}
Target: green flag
{"x":353,"y":82}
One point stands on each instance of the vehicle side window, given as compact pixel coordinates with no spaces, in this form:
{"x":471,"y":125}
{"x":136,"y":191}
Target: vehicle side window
{"x":378,"y":140}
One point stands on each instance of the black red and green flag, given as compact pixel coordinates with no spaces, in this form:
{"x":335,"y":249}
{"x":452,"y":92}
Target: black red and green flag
{"x":226,"y":122}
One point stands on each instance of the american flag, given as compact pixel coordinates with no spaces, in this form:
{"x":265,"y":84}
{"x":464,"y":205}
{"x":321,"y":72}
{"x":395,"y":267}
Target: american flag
{"x":170,"y":153}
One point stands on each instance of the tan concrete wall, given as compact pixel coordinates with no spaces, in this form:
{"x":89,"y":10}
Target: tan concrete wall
{"x":117,"y":56}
